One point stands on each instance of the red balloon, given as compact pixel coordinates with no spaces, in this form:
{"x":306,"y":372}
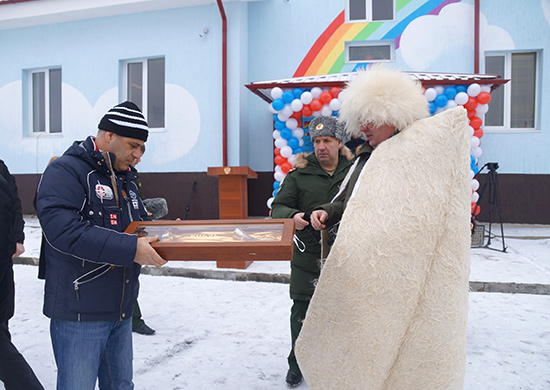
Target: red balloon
{"x":471,"y":104}
{"x":476,"y":122}
{"x":325,"y":97}
{"x":276,"y":151}
{"x":286,"y":166}
{"x":306,"y":110}
{"x":335,"y":91}
{"x":316,"y":105}
{"x":483,"y":97}
{"x":478,"y":133}
{"x":475,"y":209}
{"x":471,"y":113}
{"x":297,"y":115}
{"x":279,"y":160}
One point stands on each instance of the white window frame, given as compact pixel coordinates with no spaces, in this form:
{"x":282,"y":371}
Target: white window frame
{"x":47,"y":130}
{"x":384,"y":42}
{"x":145,"y":81}
{"x":368,"y":17}
{"x":506,"y":128}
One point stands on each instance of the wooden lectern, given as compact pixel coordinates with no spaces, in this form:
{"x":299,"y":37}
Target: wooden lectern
{"x":233,"y":194}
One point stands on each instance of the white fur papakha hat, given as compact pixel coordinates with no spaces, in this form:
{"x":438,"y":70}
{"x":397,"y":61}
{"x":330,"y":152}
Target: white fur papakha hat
{"x":381,"y":95}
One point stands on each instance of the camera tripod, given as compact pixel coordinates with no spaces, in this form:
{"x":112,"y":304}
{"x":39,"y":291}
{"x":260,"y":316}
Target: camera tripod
{"x":494,"y":200}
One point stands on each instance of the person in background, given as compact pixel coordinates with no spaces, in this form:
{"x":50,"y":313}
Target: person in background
{"x":85,"y":200}
{"x":138,"y":324}
{"x":315,"y":180}
{"x":15,"y":372}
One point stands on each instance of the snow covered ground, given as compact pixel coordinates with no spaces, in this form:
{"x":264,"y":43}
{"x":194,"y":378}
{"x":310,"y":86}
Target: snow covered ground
{"x":218,"y":334}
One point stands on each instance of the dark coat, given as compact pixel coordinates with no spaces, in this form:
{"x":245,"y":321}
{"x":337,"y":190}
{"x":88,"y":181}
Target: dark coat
{"x":302,"y":189}
{"x":11,"y":232}
{"x":90,"y":272}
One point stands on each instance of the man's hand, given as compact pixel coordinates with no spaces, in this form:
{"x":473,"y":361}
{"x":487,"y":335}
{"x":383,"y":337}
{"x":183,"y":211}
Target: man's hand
{"x":299,"y":222}
{"x":19,"y":249}
{"x":146,"y":255}
{"x":318,"y":219}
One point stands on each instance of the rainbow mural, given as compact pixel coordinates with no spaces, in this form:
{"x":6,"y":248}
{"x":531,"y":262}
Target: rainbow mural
{"x":327,"y":54}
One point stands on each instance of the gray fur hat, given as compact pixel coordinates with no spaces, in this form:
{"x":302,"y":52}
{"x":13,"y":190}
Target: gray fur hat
{"x":326,"y":126}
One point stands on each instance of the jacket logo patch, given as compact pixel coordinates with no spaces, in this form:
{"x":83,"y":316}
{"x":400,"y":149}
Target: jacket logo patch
{"x":103,"y":192}
{"x":114,"y":219}
{"x":133,"y":196}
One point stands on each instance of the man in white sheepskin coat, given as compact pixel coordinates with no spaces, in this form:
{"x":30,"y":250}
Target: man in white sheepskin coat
{"x":390,"y":307}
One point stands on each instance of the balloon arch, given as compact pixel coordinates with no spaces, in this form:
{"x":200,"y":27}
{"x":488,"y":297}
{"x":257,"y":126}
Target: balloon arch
{"x":295,"y":102}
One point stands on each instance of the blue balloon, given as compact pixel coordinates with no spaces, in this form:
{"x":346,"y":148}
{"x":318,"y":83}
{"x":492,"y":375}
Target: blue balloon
{"x":474,"y":168}
{"x":274,"y":193}
{"x":433,"y":108}
{"x":276,"y":185}
{"x":335,"y":113}
{"x":450,"y":92}
{"x":286,"y":133}
{"x":299,"y":149}
{"x":279,"y":125}
{"x":297,"y":92}
{"x":278,"y":104}
{"x":288,"y":97}
{"x":472,"y":160}
{"x":461,"y":88}
{"x":441,"y":100}
{"x":293,"y":142}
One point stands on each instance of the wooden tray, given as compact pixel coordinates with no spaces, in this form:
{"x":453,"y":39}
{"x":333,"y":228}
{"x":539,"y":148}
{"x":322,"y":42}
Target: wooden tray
{"x":220,"y":240}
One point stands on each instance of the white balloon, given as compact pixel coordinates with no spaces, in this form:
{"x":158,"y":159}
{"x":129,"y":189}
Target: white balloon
{"x":475,"y":184}
{"x":461,"y":98}
{"x":475,"y":197}
{"x":482,"y":109}
{"x":472,"y":174}
{"x":273,"y":111}
{"x":298,"y":132}
{"x":316,"y":92}
{"x":279,"y":176}
{"x":278,"y":169}
{"x":486,"y":88}
{"x":286,"y":151}
{"x":474,"y":90}
{"x":287,"y":110}
{"x":326,"y":111}
{"x":477,"y":153}
{"x":301,"y":140}
{"x":276,"y":93}
{"x":292,"y":159}
{"x":296,"y":105}
{"x":439,"y":89}
{"x":291,"y":123}
{"x":276,"y":134}
{"x":282,"y":117}
{"x":430,"y":94}
{"x":316,"y":114}
{"x":269,"y":201}
{"x":451,"y":104}
{"x":472,"y":131}
{"x":306,"y":97}
{"x":342,"y":95}
{"x":474,"y":142}
{"x":439,"y":110}
{"x":280,"y":143}
{"x":334,"y":104}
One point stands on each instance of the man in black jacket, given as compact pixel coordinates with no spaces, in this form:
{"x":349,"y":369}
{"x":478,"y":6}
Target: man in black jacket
{"x":14,"y":370}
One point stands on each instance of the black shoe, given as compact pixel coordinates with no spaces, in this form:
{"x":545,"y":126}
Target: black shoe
{"x":145,"y":330}
{"x":293,"y":377}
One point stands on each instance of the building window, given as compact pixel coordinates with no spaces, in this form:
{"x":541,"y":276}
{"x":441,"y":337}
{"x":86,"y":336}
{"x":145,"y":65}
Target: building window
{"x":144,"y":85}
{"x":514,"y":106}
{"x":45,"y":101}
{"x":370,"y":10}
{"x":370,"y":51}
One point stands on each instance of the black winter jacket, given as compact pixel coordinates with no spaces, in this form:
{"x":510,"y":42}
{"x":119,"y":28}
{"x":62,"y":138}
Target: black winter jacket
{"x":90,"y":272}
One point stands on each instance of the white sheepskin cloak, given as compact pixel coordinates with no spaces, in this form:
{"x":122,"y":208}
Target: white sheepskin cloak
{"x":390,"y":307}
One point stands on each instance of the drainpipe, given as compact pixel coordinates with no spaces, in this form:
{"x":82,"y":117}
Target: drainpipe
{"x":476,"y":36}
{"x":224,"y":81}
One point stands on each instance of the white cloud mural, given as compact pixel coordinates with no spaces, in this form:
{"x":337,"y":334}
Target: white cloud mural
{"x":545,"y":4}
{"x":447,"y":35}
{"x":80,"y":119}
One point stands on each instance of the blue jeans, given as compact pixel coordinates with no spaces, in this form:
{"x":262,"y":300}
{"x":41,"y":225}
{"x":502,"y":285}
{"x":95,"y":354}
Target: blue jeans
{"x":87,"y":350}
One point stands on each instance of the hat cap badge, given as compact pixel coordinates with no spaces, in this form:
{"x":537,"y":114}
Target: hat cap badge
{"x":319,"y":126}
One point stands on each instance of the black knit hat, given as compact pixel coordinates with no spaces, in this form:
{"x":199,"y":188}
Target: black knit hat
{"x":125,"y":120}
